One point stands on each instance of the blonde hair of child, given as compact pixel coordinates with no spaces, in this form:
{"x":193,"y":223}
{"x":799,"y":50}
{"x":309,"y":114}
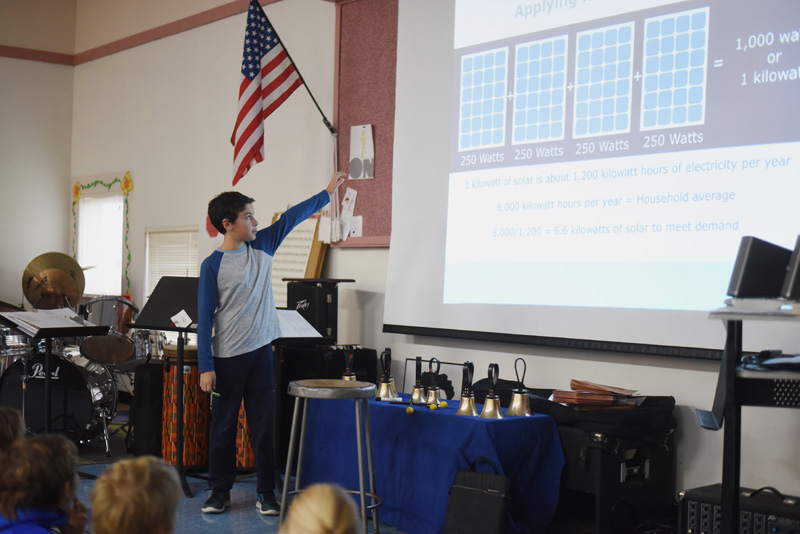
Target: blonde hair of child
{"x":322,"y":509}
{"x":136,"y":495}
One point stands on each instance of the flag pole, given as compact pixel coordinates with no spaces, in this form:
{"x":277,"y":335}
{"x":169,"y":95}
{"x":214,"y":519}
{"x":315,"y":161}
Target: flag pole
{"x":325,"y":120}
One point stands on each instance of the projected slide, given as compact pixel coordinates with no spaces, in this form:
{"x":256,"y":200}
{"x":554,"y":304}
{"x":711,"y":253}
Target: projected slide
{"x":609,"y":153}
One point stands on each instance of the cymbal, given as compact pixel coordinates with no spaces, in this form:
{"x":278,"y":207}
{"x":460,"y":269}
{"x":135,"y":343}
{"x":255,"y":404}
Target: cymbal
{"x":53,"y":280}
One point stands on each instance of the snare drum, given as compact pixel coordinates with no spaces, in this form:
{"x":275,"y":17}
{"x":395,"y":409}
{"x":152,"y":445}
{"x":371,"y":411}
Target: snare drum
{"x":13,"y":346}
{"x":196,"y":410}
{"x":82,"y":394}
{"x":12,"y":342}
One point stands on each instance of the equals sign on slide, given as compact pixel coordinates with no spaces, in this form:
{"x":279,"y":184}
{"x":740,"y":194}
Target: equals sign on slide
{"x":717,"y":63}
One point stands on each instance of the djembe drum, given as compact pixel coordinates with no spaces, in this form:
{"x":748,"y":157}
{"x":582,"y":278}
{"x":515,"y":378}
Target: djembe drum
{"x":245,"y":457}
{"x":196,"y":410}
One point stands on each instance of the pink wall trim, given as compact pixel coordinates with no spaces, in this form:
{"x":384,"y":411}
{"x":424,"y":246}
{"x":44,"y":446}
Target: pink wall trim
{"x":189,"y":23}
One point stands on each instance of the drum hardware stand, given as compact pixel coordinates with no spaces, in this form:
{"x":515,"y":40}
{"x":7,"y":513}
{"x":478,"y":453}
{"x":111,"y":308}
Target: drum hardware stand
{"x":25,"y":394}
{"x":104,"y":416}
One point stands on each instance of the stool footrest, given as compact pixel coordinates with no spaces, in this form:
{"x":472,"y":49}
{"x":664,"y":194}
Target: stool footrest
{"x":376,"y":501}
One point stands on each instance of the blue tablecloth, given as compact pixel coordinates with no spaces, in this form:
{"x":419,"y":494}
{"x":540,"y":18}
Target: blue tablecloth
{"x":417,"y":456}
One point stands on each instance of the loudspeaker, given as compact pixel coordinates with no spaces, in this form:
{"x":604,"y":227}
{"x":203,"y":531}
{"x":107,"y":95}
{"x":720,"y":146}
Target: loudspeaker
{"x":791,"y":283}
{"x":318,"y":303}
{"x":759,"y":270}
{"x":146,"y":409}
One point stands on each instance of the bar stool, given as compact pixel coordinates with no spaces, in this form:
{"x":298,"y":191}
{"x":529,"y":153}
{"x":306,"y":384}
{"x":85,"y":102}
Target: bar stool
{"x":360,"y":392}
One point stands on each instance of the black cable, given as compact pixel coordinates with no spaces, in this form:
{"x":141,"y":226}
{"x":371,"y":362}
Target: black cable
{"x":658,"y":523}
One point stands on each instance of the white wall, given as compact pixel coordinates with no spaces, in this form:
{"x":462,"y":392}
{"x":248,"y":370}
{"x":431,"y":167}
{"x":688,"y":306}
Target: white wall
{"x":36,"y":195}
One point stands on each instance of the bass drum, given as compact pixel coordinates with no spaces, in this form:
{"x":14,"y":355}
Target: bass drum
{"x":82,"y":394}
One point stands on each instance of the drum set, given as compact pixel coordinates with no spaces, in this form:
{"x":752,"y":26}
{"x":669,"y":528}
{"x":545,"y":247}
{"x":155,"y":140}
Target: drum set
{"x":84,"y":372}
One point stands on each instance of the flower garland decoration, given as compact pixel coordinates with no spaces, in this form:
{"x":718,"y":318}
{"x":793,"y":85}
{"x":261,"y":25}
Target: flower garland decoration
{"x":126,"y":184}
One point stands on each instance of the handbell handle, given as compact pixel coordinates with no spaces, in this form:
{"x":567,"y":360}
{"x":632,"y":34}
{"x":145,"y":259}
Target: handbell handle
{"x":418,"y":378}
{"x":348,"y":364}
{"x":494,"y":371}
{"x":466,"y":381}
{"x":524,"y":370}
{"x":433,"y":373}
{"x":386,"y":363}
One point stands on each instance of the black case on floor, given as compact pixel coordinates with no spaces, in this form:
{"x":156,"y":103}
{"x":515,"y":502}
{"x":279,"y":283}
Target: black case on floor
{"x":146,"y":409}
{"x":298,"y":362}
{"x":478,"y":501}
{"x":611,"y":485}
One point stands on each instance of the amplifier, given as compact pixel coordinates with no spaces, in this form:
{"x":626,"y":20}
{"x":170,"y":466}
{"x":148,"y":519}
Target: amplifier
{"x":760,"y":512}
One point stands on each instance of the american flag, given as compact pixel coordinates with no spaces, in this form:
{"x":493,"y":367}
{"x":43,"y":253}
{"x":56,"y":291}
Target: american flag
{"x":268,"y":79}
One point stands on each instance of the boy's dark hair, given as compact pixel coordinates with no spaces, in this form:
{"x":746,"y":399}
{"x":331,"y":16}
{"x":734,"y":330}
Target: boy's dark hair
{"x":226,"y":205}
{"x":34,"y":471}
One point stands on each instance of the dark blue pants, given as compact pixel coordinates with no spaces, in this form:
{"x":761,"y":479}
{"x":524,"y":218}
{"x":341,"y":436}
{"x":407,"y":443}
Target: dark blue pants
{"x":249,"y":377}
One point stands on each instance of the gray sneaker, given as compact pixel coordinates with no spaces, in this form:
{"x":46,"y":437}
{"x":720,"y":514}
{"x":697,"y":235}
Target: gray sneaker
{"x":267,"y":504}
{"x":219,"y":500}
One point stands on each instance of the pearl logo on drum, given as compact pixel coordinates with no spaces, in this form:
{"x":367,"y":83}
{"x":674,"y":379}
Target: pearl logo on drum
{"x":38,"y":372}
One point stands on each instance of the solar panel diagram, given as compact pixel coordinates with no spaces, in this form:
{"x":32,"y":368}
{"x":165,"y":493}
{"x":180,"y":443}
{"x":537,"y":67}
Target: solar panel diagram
{"x":674,"y":67}
{"x":540,"y":80}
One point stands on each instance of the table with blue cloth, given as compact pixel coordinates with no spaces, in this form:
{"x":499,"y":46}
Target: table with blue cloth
{"x":417,"y":456}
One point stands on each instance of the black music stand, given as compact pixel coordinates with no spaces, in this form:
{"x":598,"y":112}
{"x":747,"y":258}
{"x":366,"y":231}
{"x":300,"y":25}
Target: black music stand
{"x":48,"y":334}
{"x":171,"y":295}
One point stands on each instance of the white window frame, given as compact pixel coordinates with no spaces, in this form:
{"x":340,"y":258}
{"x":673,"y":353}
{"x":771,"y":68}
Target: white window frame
{"x":173,"y":263}
{"x":88,"y":263}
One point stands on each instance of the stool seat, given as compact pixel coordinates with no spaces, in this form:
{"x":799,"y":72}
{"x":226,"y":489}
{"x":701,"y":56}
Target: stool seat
{"x":332,"y":389}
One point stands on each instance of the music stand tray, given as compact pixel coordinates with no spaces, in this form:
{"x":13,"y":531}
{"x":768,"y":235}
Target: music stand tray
{"x":171,"y":295}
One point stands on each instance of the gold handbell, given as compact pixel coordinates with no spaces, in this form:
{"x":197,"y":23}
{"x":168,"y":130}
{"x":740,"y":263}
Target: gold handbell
{"x":418,"y":395}
{"x":520,"y":403}
{"x":418,"y":392}
{"x":491,"y":405}
{"x":386,"y":389}
{"x":348,"y":374}
{"x":491,"y":408}
{"x":467,"y":406}
{"x":434,"y":396}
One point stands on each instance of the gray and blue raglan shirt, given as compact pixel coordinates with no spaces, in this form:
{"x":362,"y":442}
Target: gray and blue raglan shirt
{"x":235,"y":295}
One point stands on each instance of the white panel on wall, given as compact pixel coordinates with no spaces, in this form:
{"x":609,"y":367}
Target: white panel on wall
{"x":35,"y":204}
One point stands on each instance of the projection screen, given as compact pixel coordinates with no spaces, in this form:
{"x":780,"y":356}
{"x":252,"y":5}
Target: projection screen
{"x":580,"y":173}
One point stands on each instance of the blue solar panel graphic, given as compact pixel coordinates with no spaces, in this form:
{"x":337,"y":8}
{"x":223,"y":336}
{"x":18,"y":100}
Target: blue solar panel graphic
{"x":603,"y":71}
{"x":482,"y":104}
{"x":674,"y":67}
{"x":540,"y":73}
